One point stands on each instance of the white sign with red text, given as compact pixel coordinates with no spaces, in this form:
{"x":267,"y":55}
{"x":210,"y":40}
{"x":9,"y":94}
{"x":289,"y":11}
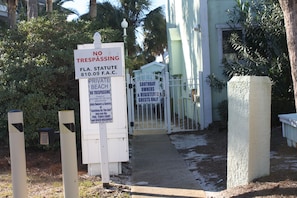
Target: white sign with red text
{"x":103,"y":62}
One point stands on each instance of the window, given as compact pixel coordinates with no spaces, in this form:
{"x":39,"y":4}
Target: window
{"x":226,"y":51}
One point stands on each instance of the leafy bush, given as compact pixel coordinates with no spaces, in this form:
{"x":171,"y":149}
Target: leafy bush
{"x":37,"y":71}
{"x":261,"y":50}
{"x":223,"y":112}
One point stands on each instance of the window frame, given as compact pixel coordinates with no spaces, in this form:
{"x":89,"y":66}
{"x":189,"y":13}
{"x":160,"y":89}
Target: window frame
{"x":220,"y":29}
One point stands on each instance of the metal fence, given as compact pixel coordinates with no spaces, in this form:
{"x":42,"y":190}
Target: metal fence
{"x":157,"y":101}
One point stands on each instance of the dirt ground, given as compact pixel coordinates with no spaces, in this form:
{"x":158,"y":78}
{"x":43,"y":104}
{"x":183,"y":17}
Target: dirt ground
{"x":282,"y":181}
{"x":44,"y":177}
{"x":45,"y":173}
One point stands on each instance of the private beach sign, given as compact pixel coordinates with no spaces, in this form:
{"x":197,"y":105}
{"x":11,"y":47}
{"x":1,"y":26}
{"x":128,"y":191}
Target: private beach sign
{"x":98,"y":65}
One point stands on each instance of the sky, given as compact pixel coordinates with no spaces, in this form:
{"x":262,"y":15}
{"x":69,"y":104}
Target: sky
{"x":82,"y":5}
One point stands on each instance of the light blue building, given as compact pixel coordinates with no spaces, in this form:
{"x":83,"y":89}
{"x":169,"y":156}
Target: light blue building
{"x":149,"y":69}
{"x":196,"y":32}
{"x":3,"y":11}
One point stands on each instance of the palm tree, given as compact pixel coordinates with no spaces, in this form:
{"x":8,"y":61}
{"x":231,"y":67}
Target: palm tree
{"x":155,"y":38}
{"x":289,"y":8}
{"x":49,"y":6}
{"x":109,"y":16}
{"x":134,"y":11}
{"x":137,"y":14}
{"x":93,"y":10}
{"x":32,"y":9}
{"x":11,"y":5}
{"x":57,"y":5}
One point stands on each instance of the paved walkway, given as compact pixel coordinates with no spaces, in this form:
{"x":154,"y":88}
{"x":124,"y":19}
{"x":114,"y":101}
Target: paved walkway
{"x":158,"y":169}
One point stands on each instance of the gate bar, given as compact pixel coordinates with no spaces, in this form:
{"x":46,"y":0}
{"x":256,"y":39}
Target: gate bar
{"x":130,"y":101}
{"x":167,"y":98}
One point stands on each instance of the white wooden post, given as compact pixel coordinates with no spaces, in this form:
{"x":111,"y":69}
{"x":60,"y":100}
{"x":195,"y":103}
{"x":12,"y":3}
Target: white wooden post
{"x":104,"y":155}
{"x":17,"y":153}
{"x":68,"y":153}
{"x":103,"y":134}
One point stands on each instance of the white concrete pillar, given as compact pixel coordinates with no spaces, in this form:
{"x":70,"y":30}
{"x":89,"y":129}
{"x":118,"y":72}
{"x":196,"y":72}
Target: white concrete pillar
{"x":68,"y":153}
{"x":17,"y":153}
{"x":249,"y":112}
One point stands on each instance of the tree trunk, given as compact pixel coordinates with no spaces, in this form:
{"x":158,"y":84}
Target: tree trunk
{"x":93,"y":10}
{"x":49,"y":6}
{"x":32,"y":9}
{"x":289,"y":8}
{"x":11,"y":4}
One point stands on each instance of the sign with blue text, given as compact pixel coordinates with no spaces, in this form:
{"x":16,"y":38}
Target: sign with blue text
{"x":102,"y":62}
{"x":100,"y":100}
{"x":148,"y":92}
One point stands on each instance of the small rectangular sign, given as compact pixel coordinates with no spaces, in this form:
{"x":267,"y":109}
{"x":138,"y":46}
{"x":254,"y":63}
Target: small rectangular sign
{"x":103,"y":62}
{"x":148,"y":92}
{"x":100,"y":100}
{"x":44,"y":138}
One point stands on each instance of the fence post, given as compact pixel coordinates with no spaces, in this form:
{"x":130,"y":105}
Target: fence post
{"x":201,"y":101}
{"x":130,"y":102}
{"x":167,"y":98}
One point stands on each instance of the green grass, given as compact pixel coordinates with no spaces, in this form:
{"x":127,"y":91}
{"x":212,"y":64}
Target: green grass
{"x":52,"y":187}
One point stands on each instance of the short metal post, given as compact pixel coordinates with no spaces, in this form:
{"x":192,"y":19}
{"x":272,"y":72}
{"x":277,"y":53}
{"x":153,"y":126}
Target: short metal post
{"x":68,"y":153}
{"x":17,"y":153}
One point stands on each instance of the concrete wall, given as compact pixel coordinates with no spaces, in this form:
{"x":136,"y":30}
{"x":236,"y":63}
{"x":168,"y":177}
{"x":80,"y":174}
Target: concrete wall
{"x":249,"y":112}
